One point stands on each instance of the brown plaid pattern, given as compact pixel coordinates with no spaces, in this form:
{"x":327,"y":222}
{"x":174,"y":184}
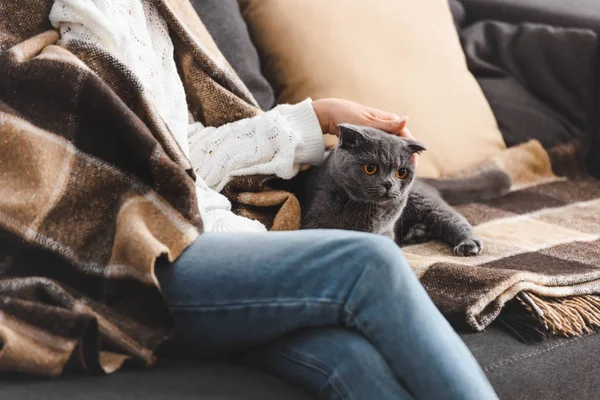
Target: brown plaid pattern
{"x":94,"y":188}
{"x":542,"y":246}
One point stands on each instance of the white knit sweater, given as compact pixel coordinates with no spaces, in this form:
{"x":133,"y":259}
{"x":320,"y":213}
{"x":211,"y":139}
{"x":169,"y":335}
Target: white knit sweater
{"x":274,"y":143}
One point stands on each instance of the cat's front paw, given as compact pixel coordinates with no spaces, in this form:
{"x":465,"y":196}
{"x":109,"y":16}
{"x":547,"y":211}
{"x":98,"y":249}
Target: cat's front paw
{"x":416,"y":234}
{"x":469,"y":247}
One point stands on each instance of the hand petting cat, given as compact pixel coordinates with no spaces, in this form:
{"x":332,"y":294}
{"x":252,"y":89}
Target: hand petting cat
{"x":368,"y":183}
{"x":333,"y":112}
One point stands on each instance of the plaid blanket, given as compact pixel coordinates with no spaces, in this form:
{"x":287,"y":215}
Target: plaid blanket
{"x":93,"y":188}
{"x":541,"y":250}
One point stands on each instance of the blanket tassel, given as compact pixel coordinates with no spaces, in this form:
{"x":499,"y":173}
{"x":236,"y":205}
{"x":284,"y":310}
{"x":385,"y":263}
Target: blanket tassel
{"x":566,"y":316}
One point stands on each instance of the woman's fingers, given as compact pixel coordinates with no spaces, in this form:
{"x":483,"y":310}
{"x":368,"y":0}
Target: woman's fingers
{"x":407,"y":134}
{"x":332,"y":112}
{"x":416,"y":159}
{"x":380,"y":114}
{"x":394,"y":126}
{"x":386,"y":121}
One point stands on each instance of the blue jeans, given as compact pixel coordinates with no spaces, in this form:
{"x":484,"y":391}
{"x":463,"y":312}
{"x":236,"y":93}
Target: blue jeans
{"x":339,"y":312}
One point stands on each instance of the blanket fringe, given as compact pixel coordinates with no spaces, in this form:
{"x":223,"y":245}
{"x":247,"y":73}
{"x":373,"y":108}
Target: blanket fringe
{"x":565,"y":316}
{"x":531,"y":317}
{"x":517,"y":318}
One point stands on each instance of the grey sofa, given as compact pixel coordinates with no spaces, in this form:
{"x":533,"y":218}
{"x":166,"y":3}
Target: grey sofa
{"x":553,"y":369}
{"x":564,"y":369}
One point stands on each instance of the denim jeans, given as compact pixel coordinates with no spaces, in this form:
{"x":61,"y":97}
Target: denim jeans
{"x":339,"y":312}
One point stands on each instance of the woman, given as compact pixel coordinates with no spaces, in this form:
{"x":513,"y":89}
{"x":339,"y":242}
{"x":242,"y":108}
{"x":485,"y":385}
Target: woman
{"x":340,"y":313}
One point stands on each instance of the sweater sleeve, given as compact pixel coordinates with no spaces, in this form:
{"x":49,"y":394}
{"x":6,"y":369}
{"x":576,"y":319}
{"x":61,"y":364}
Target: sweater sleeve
{"x":277,"y":142}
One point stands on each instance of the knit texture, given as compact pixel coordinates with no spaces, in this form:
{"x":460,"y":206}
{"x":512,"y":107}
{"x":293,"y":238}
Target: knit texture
{"x":95,"y":187}
{"x":134,"y":32}
{"x":274,"y":143}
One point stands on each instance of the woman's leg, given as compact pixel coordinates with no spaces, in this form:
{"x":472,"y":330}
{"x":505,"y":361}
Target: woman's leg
{"x":332,"y":363}
{"x":233,"y":291}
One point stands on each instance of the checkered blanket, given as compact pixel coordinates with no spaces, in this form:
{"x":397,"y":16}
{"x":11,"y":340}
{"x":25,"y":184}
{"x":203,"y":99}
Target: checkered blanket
{"x":93,"y":188}
{"x":541,"y":256}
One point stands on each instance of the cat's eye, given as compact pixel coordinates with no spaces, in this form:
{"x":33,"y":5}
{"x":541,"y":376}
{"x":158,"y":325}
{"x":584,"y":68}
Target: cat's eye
{"x":401,"y":173}
{"x":370,"y":169}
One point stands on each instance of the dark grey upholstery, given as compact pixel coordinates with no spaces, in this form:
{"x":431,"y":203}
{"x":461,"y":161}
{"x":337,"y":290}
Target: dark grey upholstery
{"x":571,"y":13}
{"x":226,"y":25}
{"x":458,"y":13}
{"x":556,"y":369}
{"x":169,"y":380}
{"x":538,"y":79}
{"x":563,"y":13}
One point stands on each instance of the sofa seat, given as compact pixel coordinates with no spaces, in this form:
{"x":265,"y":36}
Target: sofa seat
{"x":168,"y":380}
{"x":555,"y":369}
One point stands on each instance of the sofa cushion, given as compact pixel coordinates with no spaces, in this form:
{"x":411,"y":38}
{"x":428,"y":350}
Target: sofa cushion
{"x":574,"y":13}
{"x":169,"y":380}
{"x":539,"y":79}
{"x":224,"y":21}
{"x":554,"y":369}
{"x":384,"y":54}
{"x":458,"y":13}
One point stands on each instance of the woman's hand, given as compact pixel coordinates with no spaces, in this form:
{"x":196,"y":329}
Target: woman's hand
{"x":332,"y":112}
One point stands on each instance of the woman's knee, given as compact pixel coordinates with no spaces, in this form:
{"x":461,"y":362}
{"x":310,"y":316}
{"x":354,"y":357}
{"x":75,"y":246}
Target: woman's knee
{"x":379,"y":251}
{"x":378,"y":264}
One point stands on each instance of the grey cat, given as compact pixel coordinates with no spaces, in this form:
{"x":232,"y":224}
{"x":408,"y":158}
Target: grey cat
{"x":367,"y":183}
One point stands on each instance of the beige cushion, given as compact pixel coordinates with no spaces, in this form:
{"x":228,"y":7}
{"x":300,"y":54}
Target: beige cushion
{"x":398,"y":55}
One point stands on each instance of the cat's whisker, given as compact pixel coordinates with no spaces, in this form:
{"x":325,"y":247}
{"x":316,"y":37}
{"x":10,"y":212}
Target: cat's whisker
{"x":343,"y":212}
{"x":367,"y":212}
{"x":401,"y":228}
{"x":360,"y":215}
{"x":372,"y":209}
{"x":355,"y":216}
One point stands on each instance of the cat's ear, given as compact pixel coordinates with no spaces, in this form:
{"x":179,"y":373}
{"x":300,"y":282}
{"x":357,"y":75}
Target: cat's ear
{"x":414,"y":146}
{"x":350,"y":136}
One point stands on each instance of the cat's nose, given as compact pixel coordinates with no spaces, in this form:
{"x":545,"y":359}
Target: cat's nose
{"x":387,"y":185}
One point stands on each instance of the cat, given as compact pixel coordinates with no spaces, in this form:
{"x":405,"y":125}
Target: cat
{"x":368,"y":183}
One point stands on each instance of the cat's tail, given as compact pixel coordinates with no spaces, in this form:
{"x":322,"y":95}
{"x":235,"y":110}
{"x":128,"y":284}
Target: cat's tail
{"x":486,"y":185}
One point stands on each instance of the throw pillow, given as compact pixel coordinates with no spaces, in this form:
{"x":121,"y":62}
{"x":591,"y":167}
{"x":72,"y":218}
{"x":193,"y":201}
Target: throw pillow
{"x":402,"y":56}
{"x":224,"y":22}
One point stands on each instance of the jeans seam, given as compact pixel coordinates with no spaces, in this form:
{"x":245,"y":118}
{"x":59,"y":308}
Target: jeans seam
{"x":309,"y":362}
{"x":255,"y":303}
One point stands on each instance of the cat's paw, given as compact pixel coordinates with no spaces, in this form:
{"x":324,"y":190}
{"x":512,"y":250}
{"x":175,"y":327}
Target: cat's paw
{"x":469,"y":247}
{"x":416,"y":234}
